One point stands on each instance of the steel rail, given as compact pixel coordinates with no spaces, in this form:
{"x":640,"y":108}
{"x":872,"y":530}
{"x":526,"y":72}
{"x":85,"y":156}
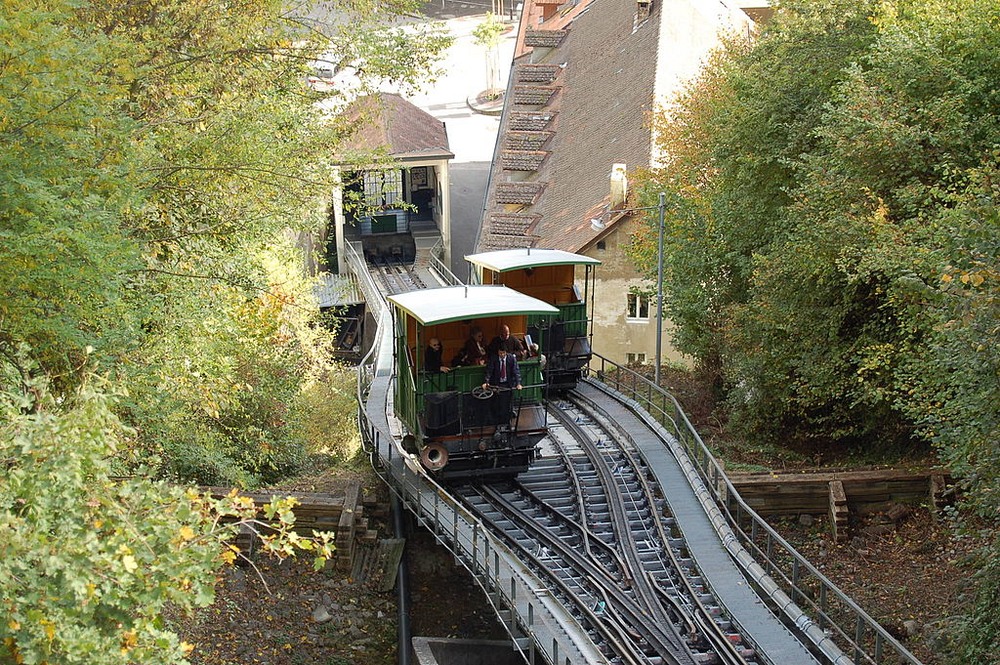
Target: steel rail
{"x":590,"y":539}
{"x":643,"y":587}
{"x":710,"y":630}
{"x":632,"y":622}
{"x":780,"y":574}
{"x":702,"y":622}
{"x":612,"y":632}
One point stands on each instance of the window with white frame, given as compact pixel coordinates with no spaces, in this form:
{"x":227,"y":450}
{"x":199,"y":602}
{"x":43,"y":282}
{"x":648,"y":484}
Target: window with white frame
{"x":635,"y":358}
{"x":637,"y":306}
{"x":384,"y":188}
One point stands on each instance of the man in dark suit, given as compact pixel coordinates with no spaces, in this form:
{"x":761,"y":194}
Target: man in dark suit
{"x":502,"y":370}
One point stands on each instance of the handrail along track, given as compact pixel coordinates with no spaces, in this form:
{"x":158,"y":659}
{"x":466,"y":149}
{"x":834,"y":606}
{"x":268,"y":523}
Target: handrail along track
{"x":785,"y":579}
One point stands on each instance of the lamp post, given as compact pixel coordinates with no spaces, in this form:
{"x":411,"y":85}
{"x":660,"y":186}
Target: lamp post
{"x":598,"y":225}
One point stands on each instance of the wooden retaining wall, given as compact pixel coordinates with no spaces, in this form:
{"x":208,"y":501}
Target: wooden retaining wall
{"x":344,"y":515}
{"x":835,"y":494}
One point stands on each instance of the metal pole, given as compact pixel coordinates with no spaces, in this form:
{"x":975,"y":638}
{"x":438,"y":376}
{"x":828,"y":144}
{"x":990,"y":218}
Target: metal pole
{"x":659,"y":287}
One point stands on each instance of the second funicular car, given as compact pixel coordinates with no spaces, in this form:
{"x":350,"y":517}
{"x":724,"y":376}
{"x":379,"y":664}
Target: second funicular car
{"x":551,"y":275}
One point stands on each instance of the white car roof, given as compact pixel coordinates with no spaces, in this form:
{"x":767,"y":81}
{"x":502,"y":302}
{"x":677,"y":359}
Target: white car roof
{"x":504,"y":260}
{"x":456,"y":303}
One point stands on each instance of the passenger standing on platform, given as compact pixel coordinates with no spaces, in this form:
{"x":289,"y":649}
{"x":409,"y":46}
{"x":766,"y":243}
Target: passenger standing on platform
{"x":473,"y":353}
{"x":503,"y":371}
{"x":432,"y":357}
{"x":508,"y":342}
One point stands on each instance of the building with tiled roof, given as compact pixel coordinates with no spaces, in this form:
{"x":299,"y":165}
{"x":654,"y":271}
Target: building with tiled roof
{"x":406,"y":196}
{"x":585,"y":79}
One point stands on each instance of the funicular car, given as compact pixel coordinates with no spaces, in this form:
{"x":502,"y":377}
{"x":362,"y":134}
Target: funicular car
{"x":459,"y":429}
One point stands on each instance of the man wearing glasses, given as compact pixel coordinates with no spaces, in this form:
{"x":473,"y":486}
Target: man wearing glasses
{"x":432,"y":357}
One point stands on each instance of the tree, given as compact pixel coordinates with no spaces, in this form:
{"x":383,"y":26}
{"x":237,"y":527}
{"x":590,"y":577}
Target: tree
{"x":89,"y":562}
{"x":64,"y":261}
{"x":487,"y":35}
{"x":833,"y":243}
{"x":734,"y":141}
{"x":160,"y":159}
{"x":163,"y":157}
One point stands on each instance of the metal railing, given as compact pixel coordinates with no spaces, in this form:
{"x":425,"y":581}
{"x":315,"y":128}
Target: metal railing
{"x":842,"y":631}
{"x":438,"y":266}
{"x":357,"y":265}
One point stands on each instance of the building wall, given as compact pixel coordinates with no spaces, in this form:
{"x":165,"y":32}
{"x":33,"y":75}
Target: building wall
{"x":689,"y":30}
{"x":616,"y":336}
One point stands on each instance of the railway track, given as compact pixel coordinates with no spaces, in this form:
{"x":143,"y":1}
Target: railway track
{"x":588,"y":518}
{"x":395,"y":276}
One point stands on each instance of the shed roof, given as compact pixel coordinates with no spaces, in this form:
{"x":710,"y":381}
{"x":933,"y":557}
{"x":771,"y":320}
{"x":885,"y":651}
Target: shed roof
{"x":407,"y":132}
{"x":337,"y":290}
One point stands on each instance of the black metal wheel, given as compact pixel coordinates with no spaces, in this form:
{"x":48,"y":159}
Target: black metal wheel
{"x":483,"y":393}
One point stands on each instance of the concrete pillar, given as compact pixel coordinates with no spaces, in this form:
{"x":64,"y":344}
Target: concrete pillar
{"x":444,"y":186}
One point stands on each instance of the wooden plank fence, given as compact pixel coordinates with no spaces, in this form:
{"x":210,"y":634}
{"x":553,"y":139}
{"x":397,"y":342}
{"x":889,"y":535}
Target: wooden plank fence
{"x":837,"y":493}
{"x":344,"y":515}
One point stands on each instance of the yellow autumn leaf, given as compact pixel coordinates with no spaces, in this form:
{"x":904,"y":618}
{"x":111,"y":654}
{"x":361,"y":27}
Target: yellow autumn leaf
{"x":12,"y":647}
{"x":187,"y":648}
{"x":187,"y":533}
{"x":130,"y":563}
{"x":13,"y":625}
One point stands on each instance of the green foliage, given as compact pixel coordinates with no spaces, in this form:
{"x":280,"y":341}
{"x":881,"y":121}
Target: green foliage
{"x":833,"y":241}
{"x":61,"y":252}
{"x":487,"y":34}
{"x":327,"y":408}
{"x":89,"y":561}
{"x":975,"y":640}
{"x":162,"y":162}
{"x":804,"y":171}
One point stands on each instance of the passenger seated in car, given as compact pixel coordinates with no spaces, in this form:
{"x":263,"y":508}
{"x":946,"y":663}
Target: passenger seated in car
{"x":432,"y":357}
{"x":473,"y":353}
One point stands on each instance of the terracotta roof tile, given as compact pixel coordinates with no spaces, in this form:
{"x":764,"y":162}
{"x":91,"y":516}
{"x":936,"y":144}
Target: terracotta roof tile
{"x":513,"y":224}
{"x":510,"y":230}
{"x":519,"y":192}
{"x":403,"y":129}
{"x":500,"y":241}
{"x":522,"y":121}
{"x":522,"y":160}
{"x":533,"y":95}
{"x":544,"y":38}
{"x":525,"y":140}
{"x":533,"y":73}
